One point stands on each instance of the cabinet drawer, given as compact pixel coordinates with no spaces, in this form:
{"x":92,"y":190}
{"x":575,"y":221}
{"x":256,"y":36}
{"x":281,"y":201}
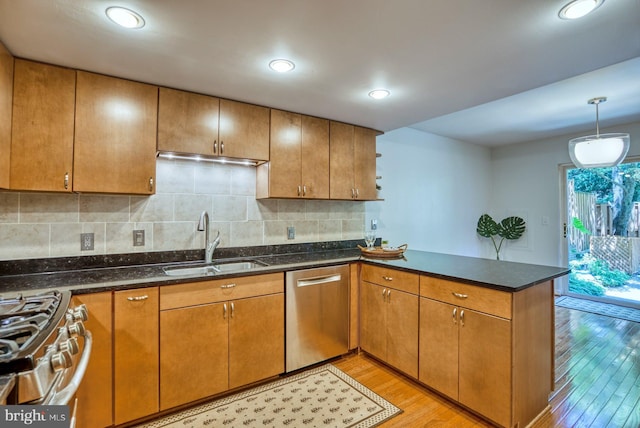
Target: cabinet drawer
{"x":218,"y":290}
{"x":392,"y":278}
{"x":481,"y":299}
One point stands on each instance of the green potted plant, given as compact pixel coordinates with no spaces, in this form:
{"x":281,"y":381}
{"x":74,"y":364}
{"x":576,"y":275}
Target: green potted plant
{"x":509,"y":228}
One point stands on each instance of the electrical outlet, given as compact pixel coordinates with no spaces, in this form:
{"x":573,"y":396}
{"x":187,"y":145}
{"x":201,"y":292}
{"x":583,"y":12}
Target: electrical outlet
{"x":291,"y":232}
{"x":374,"y":224}
{"x":138,"y":238}
{"x":86,"y":241}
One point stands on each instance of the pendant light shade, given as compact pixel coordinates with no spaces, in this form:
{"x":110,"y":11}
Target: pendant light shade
{"x":600,"y":150}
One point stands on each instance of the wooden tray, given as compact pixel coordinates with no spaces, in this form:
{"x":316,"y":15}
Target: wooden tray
{"x":385,"y":253}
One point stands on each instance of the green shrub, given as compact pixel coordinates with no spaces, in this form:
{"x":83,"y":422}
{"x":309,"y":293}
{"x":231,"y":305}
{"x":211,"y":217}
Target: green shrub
{"x":608,"y":277}
{"x":577,"y":285}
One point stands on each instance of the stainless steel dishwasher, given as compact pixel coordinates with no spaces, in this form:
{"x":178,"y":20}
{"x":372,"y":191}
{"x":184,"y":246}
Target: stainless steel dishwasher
{"x":317,"y":315}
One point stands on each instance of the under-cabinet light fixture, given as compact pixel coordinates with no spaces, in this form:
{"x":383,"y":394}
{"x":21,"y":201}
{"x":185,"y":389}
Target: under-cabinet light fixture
{"x":579,"y":8}
{"x":200,"y":158}
{"x":125,"y":17}
{"x":378,"y":94}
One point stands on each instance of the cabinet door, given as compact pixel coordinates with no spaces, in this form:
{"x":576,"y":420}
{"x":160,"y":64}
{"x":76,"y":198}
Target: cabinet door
{"x":373,"y":323}
{"x":485,"y":365}
{"x":135,"y":354}
{"x":315,"y":157}
{"x":439,"y":346}
{"x":341,"y":161}
{"x":193,"y":366}
{"x":95,"y":394}
{"x":42,"y":130}
{"x":364,"y":146}
{"x":244,"y":131}
{"x":402,"y":331}
{"x":256,"y":339}
{"x":115,"y":141}
{"x":187,"y":122}
{"x":6,"y":102}
{"x":285,"y":155}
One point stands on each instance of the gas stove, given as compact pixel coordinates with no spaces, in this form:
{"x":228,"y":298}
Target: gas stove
{"x":40,"y":358}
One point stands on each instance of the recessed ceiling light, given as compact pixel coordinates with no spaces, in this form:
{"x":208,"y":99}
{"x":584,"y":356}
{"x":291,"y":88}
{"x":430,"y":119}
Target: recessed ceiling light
{"x":125,"y":17}
{"x":281,"y":65}
{"x":379,"y":94}
{"x":579,"y":8}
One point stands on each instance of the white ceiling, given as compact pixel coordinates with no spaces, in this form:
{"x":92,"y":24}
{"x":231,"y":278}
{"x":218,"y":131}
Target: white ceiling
{"x":489,"y":72}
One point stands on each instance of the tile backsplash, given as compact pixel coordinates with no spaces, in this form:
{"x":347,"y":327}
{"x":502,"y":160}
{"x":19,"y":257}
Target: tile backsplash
{"x":38,"y":225}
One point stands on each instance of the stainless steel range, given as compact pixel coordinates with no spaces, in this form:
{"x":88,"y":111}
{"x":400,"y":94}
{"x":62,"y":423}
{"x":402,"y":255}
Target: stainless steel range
{"x":44,"y":348}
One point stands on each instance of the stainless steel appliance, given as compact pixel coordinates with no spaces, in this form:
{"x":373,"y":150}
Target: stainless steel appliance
{"x":42,"y":360}
{"x":317,"y":315}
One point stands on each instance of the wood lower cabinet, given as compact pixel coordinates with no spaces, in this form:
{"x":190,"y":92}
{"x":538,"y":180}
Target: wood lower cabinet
{"x":200,"y":124}
{"x":135,"y":354}
{"x":115,"y":135}
{"x":490,"y":350}
{"x":240,"y":325}
{"x":95,"y":393}
{"x":466,"y":355}
{"x":43,"y":126}
{"x":389,"y":318}
{"x":6,"y":103}
{"x":298,"y":164}
{"x":352,"y":162}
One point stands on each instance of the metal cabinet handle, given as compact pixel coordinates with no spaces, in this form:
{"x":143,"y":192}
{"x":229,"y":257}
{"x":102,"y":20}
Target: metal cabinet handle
{"x":215,"y":147}
{"x":299,"y":190}
{"x":66,"y":180}
{"x":462,"y":318}
{"x":221,"y":147}
{"x":384,"y":294}
{"x":459,"y":295}
{"x":389,"y":296}
{"x":137,"y":298}
{"x":357,"y":193}
{"x":151,"y":184}
{"x":224,"y":286}
{"x":304,"y":190}
{"x":455,"y":313}
{"x":233,"y":309}
{"x":387,"y":278}
{"x":224,"y":310}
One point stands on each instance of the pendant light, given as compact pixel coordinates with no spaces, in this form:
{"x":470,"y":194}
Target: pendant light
{"x":600,"y":150}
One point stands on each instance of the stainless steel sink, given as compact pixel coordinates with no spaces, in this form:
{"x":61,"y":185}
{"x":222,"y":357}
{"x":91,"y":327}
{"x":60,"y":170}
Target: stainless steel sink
{"x":212,"y":269}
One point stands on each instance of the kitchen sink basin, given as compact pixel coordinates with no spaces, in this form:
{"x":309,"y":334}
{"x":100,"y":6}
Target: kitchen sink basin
{"x":212,"y":269}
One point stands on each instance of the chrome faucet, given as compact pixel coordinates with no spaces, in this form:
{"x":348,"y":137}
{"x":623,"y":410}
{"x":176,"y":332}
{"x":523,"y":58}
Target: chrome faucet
{"x":209,"y":248}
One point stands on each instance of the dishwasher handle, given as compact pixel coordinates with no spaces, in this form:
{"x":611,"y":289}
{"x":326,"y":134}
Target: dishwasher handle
{"x":318,"y":280}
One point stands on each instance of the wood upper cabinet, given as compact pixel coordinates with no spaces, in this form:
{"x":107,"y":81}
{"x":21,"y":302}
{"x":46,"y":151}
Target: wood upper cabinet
{"x":352,"y":162}
{"x":115,"y":135}
{"x":6,"y":102}
{"x":43,"y":125}
{"x":298,"y":164}
{"x":240,"y":324}
{"x":95,"y":394}
{"x":389,"y":317}
{"x":199,"y":124}
{"x":135,"y":354}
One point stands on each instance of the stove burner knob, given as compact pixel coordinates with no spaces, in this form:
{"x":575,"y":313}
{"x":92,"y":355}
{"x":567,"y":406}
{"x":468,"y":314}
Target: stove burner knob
{"x":76,"y":329}
{"x":60,"y":361}
{"x":79,"y":313}
{"x":70,"y":345}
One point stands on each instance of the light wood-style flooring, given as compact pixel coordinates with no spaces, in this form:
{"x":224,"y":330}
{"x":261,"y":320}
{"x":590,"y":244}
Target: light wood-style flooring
{"x":597,"y":380}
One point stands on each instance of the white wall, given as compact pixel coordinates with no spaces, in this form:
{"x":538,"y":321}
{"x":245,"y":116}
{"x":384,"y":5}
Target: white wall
{"x":526,"y":181}
{"x":434,"y":191}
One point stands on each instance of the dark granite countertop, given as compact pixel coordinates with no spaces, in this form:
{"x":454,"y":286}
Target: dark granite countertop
{"x":82,"y":275}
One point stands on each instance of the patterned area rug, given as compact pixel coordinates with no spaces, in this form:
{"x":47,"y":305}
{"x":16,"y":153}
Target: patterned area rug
{"x":320,"y":397}
{"x":599,"y":308}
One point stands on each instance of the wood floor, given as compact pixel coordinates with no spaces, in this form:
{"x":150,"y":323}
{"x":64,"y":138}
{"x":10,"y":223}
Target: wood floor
{"x":597,"y":380}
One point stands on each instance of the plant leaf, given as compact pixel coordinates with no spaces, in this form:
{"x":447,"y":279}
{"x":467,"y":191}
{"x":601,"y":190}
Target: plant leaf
{"x":511,"y":227}
{"x":487,"y":227}
{"x":580,"y":226}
